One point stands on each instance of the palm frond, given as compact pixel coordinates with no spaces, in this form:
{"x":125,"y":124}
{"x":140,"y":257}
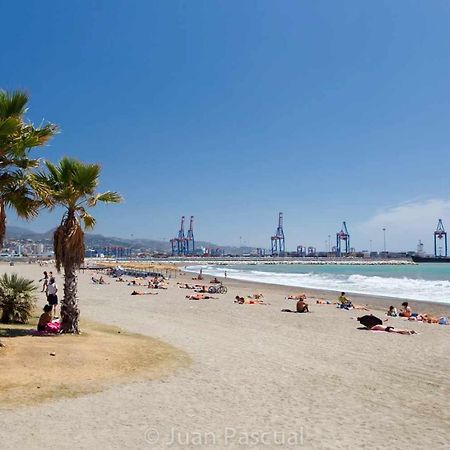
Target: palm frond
{"x":88,"y":220}
{"x":13,"y":103}
{"x":105,"y":197}
{"x":8,"y":126}
{"x":17,"y":299}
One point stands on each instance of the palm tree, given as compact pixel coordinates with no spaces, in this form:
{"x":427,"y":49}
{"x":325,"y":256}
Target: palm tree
{"x":17,"y":138}
{"x":71,"y":184}
{"x":16,"y":298}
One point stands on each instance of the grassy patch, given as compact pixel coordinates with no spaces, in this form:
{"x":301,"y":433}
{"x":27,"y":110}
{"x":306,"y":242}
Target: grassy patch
{"x":100,"y":357}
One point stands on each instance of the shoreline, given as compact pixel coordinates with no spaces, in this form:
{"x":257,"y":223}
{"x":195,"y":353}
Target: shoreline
{"x":375,"y":302}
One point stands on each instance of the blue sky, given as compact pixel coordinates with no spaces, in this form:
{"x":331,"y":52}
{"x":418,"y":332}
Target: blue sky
{"x":235,"y":110}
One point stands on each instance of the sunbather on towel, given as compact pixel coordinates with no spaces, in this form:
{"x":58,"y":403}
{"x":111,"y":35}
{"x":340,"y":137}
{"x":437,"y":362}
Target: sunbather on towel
{"x":249,"y":301}
{"x":392,"y":330}
{"x":297,"y":297}
{"x":143,"y":293}
{"x":200,"y":297}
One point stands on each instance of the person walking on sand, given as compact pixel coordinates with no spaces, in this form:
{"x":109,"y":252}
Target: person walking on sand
{"x":45,"y":280}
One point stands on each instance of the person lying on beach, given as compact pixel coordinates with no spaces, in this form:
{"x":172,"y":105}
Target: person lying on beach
{"x":156,"y":285}
{"x":255,"y":296}
{"x":323,"y":302}
{"x":249,"y":301}
{"x":406,"y":310}
{"x":297,"y":297}
{"x":361,"y":307}
{"x":143,"y":293}
{"x":186,"y":286}
{"x":201,"y":289}
{"x":392,"y":312}
{"x":424,"y":318}
{"x":392,"y":330}
{"x":200,"y":297}
{"x":46,"y":318}
{"x":302,"y":307}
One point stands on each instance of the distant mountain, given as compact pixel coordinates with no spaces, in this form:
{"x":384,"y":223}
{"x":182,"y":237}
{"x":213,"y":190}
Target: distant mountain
{"x":91,"y":240}
{"x":23,"y":233}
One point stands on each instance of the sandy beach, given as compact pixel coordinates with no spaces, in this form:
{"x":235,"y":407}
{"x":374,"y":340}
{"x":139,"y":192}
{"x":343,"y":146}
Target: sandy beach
{"x":259,"y":378}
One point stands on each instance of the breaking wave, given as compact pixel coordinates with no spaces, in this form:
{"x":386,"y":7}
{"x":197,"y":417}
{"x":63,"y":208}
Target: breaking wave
{"x":405,"y":288}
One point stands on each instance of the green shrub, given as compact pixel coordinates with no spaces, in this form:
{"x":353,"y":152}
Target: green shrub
{"x":16,"y":298}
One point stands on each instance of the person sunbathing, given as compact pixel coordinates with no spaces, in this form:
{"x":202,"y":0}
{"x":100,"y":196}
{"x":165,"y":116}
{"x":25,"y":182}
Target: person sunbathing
{"x":392,"y":312}
{"x":405,"y":311}
{"x":202,"y":289}
{"x":199,"y":297}
{"x":297,"y":297}
{"x":45,"y":319}
{"x":249,"y":301}
{"x":360,"y":307}
{"x":215,"y":280}
{"x":392,"y":330}
{"x":424,"y":318}
{"x":156,"y":286}
{"x":102,"y":281}
{"x":143,"y":293}
{"x":302,"y":307}
{"x":186,"y":286}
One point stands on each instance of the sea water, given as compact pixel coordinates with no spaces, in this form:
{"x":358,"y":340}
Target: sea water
{"x":426,"y":282}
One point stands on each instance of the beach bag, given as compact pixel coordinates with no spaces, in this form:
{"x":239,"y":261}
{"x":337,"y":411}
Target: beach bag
{"x":443,"y":321}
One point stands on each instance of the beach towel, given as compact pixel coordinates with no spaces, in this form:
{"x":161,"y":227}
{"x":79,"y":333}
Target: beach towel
{"x":53,"y":327}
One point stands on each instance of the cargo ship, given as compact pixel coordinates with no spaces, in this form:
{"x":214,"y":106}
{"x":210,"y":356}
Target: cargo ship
{"x":430,"y":259}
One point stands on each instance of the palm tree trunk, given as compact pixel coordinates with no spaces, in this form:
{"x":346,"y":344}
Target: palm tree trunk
{"x":69,"y":305}
{"x":2,"y":221}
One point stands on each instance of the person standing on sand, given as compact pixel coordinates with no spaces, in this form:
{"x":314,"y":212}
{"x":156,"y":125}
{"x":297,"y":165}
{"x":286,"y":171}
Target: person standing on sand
{"x":52,"y":297}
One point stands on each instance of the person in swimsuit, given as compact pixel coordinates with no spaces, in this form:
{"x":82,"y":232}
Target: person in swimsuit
{"x":46,"y":317}
{"x":406,"y":310}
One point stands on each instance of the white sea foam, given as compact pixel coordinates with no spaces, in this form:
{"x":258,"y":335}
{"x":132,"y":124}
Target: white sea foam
{"x":407,"y":288}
